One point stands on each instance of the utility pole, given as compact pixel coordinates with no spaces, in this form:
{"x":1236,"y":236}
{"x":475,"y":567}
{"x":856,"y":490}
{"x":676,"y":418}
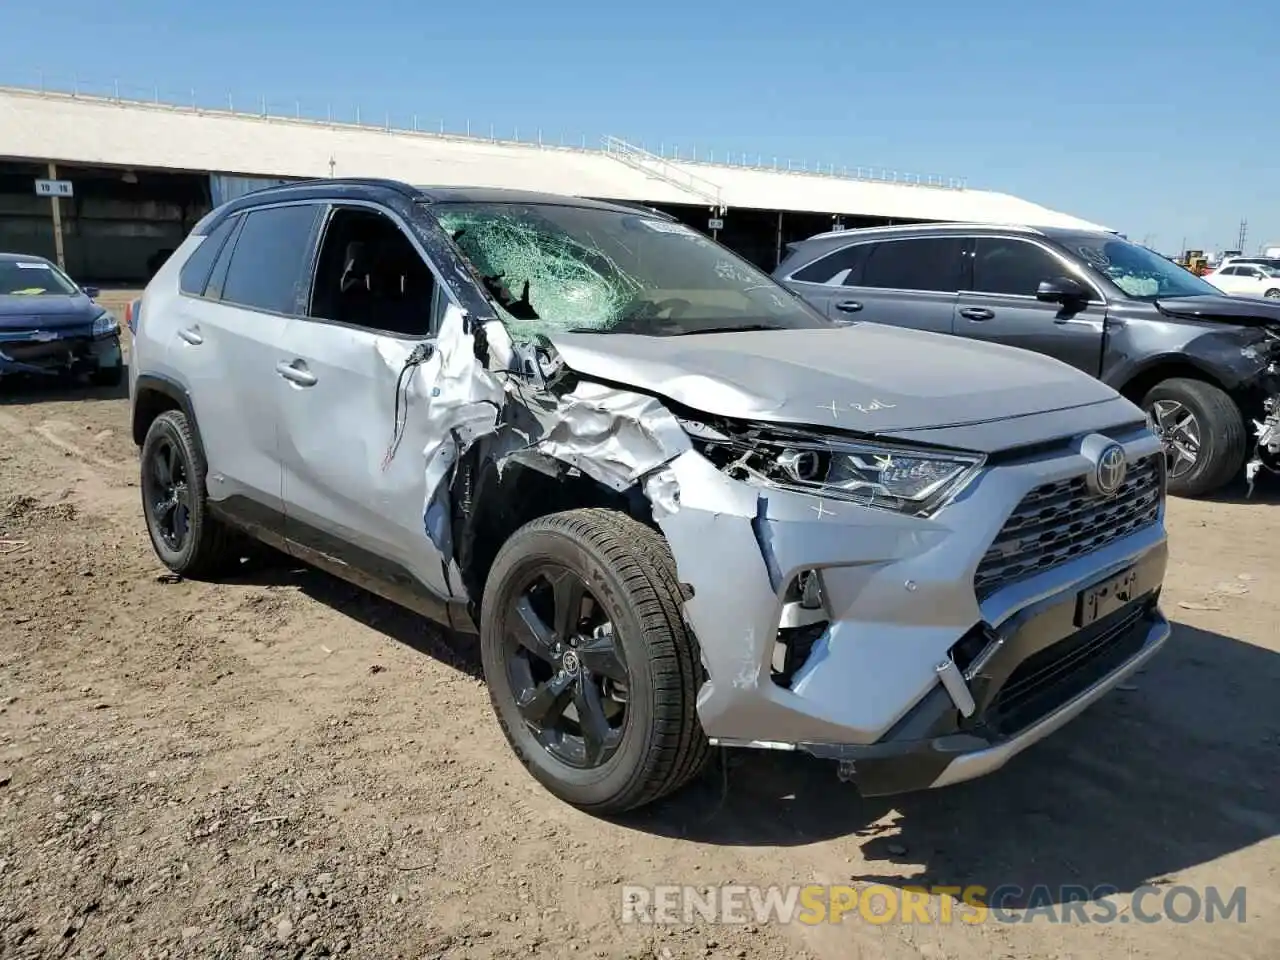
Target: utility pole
{"x":56,"y":204}
{"x":1244,"y":232}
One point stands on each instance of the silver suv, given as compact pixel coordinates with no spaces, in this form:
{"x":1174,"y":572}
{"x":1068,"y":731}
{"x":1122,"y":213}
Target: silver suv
{"x":680,"y":507}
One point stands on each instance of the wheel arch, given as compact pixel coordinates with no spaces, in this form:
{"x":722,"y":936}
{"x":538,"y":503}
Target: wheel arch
{"x":154,"y":395}
{"x":1141,"y":381}
{"x":491,"y":500}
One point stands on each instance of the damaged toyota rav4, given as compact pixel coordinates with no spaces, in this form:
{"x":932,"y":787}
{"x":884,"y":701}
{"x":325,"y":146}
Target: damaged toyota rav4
{"x":679,"y":507}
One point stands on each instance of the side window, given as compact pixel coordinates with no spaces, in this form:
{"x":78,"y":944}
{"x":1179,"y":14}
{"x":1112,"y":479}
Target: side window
{"x":195,"y":272}
{"x":927,"y":263}
{"x":369,"y":274}
{"x":1230,"y":271}
{"x":270,"y":258}
{"x":218,"y":278}
{"x":1002,"y":265}
{"x":841,"y":267}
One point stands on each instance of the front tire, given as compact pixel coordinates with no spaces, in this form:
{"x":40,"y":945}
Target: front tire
{"x":591,"y":669}
{"x":1203,"y":432}
{"x":186,"y":538}
{"x":1273,"y":293}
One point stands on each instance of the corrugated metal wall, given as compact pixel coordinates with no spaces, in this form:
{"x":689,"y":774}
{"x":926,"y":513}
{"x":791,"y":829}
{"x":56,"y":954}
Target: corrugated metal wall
{"x":223,"y":187}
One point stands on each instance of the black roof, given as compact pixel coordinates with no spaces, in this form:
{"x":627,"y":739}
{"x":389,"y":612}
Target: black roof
{"x":379,"y":190}
{"x":21,"y":258}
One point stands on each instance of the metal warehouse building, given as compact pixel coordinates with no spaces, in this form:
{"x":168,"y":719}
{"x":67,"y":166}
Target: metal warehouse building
{"x":140,"y":174}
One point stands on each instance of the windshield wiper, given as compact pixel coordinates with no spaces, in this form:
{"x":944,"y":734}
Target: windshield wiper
{"x":729,"y":328}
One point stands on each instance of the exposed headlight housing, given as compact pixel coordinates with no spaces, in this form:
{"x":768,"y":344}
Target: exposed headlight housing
{"x":916,"y":481}
{"x":105,"y":325}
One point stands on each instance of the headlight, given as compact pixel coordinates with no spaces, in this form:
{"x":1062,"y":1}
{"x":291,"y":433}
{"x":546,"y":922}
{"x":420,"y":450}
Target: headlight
{"x":105,"y":325}
{"x":910,"y":480}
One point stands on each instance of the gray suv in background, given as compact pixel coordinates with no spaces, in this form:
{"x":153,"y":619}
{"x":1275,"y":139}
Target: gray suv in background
{"x":680,"y":507}
{"x":1200,"y":363}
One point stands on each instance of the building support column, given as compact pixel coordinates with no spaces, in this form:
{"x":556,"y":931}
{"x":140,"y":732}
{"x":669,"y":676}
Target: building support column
{"x":56,"y":203}
{"x":778,"y":251}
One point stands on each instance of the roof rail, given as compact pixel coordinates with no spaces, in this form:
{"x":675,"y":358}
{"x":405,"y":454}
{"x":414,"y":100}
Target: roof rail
{"x":907,"y":227}
{"x":398,"y":186}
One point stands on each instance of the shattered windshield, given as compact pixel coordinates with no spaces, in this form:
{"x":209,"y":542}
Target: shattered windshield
{"x":33,"y":278}
{"x":1141,"y":273}
{"x":565,"y":268}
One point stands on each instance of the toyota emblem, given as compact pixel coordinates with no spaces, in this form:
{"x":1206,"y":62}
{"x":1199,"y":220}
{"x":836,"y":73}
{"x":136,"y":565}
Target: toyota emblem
{"x":1108,"y":475}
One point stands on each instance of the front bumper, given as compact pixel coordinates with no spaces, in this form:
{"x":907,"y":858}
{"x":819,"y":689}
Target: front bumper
{"x":61,"y":352}
{"x":899,"y":597}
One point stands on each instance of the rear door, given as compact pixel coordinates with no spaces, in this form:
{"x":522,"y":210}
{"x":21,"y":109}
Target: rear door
{"x":1228,"y":279}
{"x":1001,"y":304}
{"x":353,"y":403}
{"x":227,"y":341}
{"x":825,"y":283}
{"x":909,"y":282}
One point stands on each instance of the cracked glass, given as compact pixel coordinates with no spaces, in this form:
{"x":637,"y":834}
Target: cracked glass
{"x":561,"y":268}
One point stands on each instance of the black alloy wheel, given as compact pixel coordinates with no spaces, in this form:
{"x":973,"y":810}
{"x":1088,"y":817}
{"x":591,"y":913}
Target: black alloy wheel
{"x":566,"y":667}
{"x":167,"y":492}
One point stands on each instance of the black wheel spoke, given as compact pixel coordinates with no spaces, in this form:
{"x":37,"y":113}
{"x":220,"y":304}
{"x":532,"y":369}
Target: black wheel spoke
{"x":545,"y":704}
{"x":569,"y":592}
{"x":561,"y":652}
{"x":162,"y":466}
{"x":597,"y":736}
{"x":529,"y":630}
{"x":600,"y":655}
{"x":164,"y":508}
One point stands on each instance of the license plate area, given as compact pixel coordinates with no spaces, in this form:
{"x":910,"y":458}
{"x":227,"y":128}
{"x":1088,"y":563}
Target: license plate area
{"x":1095,"y":602}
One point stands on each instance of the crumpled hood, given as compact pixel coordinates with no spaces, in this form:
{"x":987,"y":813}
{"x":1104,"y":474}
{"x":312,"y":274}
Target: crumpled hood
{"x":46,"y":312}
{"x":1246,"y":311}
{"x":868,"y":377}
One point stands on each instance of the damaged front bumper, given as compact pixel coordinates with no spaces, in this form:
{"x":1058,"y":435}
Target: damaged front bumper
{"x":1266,"y":450}
{"x":897,"y":617}
{"x":58,"y":352}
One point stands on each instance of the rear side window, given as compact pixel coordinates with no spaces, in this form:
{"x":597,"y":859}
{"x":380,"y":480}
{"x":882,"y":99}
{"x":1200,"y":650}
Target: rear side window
{"x":841,"y":267}
{"x":1003,"y":265}
{"x":195,"y":272}
{"x":270,"y":259}
{"x":927,"y":263}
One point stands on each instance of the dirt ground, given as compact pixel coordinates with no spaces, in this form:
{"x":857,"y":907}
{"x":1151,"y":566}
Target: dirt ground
{"x":286,"y":766}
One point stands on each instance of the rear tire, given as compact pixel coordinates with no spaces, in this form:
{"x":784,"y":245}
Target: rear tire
{"x":1219,"y":427}
{"x":629,"y":575}
{"x":185,"y":537}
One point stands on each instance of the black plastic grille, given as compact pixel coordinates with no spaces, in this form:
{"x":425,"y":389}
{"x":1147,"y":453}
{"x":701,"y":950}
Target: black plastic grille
{"x":1060,"y":521}
{"x":1048,"y":679}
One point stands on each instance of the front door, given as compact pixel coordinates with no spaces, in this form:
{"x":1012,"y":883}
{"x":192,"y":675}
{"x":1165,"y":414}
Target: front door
{"x":1001,"y":305}
{"x":353,"y":394}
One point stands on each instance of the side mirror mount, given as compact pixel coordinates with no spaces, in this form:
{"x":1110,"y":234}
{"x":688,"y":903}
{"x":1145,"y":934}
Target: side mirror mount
{"x":1062,"y":290}
{"x":91,"y":292}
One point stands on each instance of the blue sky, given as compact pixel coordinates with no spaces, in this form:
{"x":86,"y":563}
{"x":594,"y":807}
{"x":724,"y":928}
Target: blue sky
{"x":1157,"y":118}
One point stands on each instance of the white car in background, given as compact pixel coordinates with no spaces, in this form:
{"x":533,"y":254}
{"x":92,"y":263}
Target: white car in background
{"x":1247,"y":280}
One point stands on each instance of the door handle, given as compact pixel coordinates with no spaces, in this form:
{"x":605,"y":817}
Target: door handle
{"x":976,"y":313}
{"x":191,"y":335}
{"x":296,"y":372}
{"x":848,"y":306}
